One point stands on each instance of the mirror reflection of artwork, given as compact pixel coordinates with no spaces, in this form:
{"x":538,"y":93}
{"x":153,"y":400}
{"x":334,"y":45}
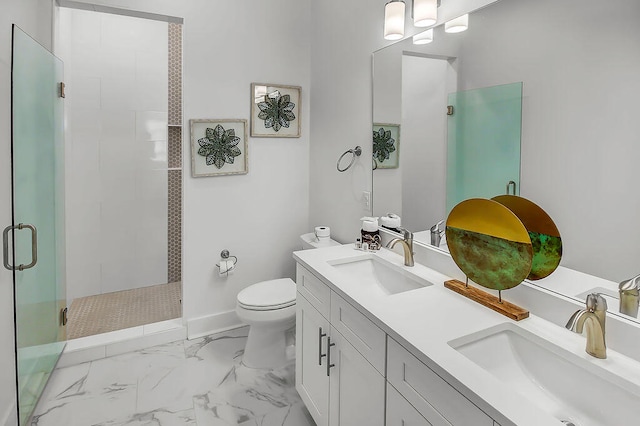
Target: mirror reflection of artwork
{"x":544,"y":234}
{"x":386,"y":141}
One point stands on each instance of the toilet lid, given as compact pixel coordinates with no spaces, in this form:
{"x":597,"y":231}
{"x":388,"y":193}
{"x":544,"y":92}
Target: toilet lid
{"x":267,"y":295}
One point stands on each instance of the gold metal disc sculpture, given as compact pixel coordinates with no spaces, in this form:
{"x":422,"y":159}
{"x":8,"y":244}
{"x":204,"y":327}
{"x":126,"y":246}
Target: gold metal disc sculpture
{"x":543,"y":232}
{"x":489,"y":243}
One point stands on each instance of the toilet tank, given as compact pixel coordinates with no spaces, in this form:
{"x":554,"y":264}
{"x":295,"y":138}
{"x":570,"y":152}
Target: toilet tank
{"x":309,"y":241}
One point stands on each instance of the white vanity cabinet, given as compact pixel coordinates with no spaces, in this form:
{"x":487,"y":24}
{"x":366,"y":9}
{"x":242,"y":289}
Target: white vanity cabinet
{"x":339,"y":385}
{"x":400,"y":412}
{"x":312,"y":381}
{"x":435,"y":399}
{"x":350,"y":372}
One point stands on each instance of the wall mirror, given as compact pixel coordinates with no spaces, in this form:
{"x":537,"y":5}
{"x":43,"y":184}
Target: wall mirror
{"x":578,"y":61}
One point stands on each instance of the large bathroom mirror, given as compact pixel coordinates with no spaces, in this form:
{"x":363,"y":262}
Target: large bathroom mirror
{"x":579,"y":64}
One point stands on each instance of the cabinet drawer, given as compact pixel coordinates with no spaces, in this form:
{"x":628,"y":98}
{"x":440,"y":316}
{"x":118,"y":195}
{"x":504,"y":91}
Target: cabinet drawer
{"x":429,"y":393}
{"x":364,"y":335}
{"x":401,"y":413}
{"x":314,"y":290}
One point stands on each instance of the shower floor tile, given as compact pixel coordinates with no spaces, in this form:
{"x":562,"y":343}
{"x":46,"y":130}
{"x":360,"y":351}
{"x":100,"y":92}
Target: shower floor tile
{"x":123,"y":309}
{"x":193,"y":383}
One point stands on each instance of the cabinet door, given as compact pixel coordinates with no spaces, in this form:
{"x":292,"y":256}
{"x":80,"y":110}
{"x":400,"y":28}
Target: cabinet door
{"x":433,"y":397}
{"x":400,"y":412}
{"x":357,"y":395}
{"x":312,"y":382}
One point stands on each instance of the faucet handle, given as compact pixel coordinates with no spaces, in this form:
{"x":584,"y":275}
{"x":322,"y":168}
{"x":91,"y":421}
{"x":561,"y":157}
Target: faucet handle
{"x":436,"y":227}
{"x":632,"y":284}
{"x":596,"y":302}
{"x":406,"y":234}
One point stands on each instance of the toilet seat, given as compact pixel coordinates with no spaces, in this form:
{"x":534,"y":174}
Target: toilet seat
{"x":268,"y":295}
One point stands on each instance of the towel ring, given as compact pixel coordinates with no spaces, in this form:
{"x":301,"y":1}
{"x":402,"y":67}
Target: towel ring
{"x":355,"y":152}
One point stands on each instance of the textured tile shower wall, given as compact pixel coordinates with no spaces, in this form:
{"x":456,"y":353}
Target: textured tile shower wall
{"x":175,"y":154}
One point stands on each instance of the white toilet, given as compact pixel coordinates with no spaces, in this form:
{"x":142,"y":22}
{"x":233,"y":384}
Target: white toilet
{"x":269,"y":307}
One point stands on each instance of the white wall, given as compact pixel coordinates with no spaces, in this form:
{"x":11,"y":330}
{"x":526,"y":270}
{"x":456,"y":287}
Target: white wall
{"x":387,"y":101}
{"x":423,"y":151}
{"x":116,"y":150}
{"x":409,"y":90}
{"x":341,"y":46}
{"x":258,"y":216}
{"x":580,"y":141}
{"x":34,"y":17}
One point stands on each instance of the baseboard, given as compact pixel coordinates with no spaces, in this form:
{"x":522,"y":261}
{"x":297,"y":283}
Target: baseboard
{"x":211,"y":324}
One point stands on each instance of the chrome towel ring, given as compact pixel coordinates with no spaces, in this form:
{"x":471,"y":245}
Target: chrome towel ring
{"x":355,"y":152}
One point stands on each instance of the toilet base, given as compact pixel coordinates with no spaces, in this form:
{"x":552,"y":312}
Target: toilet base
{"x":266,"y":347}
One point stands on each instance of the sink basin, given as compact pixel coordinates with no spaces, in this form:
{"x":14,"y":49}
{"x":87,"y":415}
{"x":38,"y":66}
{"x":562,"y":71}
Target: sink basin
{"x":565,"y":385}
{"x":379,"y":275}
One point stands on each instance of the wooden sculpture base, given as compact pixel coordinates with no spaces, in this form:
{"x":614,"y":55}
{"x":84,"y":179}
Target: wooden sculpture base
{"x":489,"y":300}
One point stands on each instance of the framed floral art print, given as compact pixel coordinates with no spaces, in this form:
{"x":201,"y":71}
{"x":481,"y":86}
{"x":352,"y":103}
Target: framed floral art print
{"x":386,"y":144}
{"x":275,"y":110}
{"x":218,"y":147}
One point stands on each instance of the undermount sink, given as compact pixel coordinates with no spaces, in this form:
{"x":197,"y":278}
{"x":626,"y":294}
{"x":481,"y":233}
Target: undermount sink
{"x":379,"y":275}
{"x":565,"y":385}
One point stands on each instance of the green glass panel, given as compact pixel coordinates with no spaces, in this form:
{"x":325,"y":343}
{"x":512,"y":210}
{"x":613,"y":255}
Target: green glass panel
{"x":38,"y":186}
{"x":483,"y":143}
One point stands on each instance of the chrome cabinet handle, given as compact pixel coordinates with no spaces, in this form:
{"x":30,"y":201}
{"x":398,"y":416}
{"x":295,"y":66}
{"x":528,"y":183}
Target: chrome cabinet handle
{"x":320,"y":354}
{"x":329,"y":345}
{"x":34,"y":247}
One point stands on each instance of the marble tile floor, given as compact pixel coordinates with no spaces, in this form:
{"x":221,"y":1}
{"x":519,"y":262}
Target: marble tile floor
{"x":199,"y":382}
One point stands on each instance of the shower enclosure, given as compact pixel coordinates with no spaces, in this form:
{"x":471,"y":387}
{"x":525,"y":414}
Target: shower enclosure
{"x":96,"y":185}
{"x":120,"y":182}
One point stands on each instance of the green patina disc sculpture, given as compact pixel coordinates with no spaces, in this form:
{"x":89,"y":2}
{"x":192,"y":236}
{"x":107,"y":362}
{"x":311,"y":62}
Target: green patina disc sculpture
{"x":489,"y":243}
{"x":545,"y":237}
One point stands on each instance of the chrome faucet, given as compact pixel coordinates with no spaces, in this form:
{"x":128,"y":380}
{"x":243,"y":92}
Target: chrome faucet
{"x":630,"y":296}
{"x":436,"y":234}
{"x":594,"y":316}
{"x":407,"y":245}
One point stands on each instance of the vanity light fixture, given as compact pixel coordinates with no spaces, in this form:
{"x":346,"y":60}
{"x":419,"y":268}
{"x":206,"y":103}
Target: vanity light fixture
{"x":424,"y":37}
{"x":394,"y":20}
{"x":457,"y":25}
{"x":425,"y":12}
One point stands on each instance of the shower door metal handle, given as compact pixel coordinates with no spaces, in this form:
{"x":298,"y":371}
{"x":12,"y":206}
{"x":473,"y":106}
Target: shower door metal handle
{"x":34,"y":246}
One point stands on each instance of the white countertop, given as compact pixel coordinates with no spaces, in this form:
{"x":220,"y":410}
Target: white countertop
{"x":426,"y":319}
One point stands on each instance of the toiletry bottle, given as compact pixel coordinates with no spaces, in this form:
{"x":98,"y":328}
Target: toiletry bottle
{"x":370,"y":232}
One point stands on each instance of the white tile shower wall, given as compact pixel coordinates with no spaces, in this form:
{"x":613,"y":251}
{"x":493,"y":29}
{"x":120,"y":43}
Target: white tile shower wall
{"x":116,"y":151}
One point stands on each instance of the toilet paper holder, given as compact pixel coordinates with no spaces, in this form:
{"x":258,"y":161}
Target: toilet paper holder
{"x":224,"y":254}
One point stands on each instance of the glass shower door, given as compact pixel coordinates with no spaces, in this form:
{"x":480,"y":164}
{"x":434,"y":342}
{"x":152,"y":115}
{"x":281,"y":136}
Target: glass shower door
{"x":38,"y":216}
{"x":483,"y":143}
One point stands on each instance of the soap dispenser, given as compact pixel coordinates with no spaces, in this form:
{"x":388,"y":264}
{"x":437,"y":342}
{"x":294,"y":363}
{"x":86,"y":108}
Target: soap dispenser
{"x":370,"y":232}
